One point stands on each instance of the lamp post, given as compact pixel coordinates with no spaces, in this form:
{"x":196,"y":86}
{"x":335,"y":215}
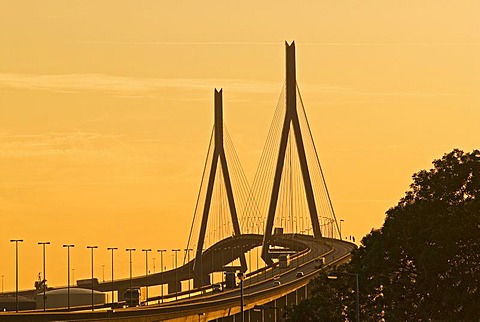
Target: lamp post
{"x":16,"y":241}
{"x":44,"y":278}
{"x":241,"y":277}
{"x":146,"y":271}
{"x":187,"y":251}
{"x":2,"y":283}
{"x":201,"y":270}
{"x":130,"y":250}
{"x":333,"y":276}
{"x":68,"y":246}
{"x":161,"y":251}
{"x":91,"y":251}
{"x":112,"y":249}
{"x":341,"y":220}
{"x":176,"y":291}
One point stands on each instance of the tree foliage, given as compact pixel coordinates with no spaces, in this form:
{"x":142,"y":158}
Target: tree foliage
{"x":424,"y":263}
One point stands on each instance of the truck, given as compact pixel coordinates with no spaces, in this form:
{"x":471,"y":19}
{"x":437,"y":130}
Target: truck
{"x":132,"y":296}
{"x":230,"y":280}
{"x":284,"y":260}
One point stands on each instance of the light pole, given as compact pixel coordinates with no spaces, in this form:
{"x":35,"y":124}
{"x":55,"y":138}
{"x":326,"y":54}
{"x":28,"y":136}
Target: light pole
{"x":201,"y":270}
{"x":241,"y":277}
{"x":130,"y":250}
{"x":176,"y":291}
{"x":146,"y":250}
{"x":250,"y":264}
{"x":2,"y":283}
{"x":68,"y":246}
{"x":161,"y":251}
{"x":112,"y":249}
{"x":341,"y":220}
{"x":334,"y":276}
{"x":16,"y":241}
{"x":91,"y":251}
{"x":187,"y":251}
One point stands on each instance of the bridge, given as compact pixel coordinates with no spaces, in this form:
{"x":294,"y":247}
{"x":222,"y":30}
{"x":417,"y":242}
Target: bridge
{"x":286,"y":211}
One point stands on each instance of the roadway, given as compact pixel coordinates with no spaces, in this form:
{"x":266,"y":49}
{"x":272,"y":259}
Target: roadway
{"x":207,"y":305}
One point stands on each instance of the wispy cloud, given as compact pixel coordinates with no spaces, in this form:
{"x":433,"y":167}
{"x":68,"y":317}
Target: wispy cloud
{"x":184,"y":43}
{"x":138,"y":87}
{"x":127,"y":86}
{"x":266,"y":43}
{"x":79,"y":145}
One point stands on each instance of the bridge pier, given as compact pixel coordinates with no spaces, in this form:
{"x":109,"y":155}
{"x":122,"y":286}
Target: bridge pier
{"x":199,"y":281}
{"x":121,"y":294}
{"x":174,"y":287}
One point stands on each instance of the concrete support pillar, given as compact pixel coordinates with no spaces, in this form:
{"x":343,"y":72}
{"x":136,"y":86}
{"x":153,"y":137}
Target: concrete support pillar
{"x":174,"y":287}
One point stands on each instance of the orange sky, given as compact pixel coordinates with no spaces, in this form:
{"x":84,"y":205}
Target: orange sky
{"x":106,"y":108}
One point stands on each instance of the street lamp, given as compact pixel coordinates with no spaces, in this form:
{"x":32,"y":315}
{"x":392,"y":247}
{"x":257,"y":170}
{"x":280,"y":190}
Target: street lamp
{"x":176,"y":291}
{"x":44,"y":278}
{"x":201,"y":270}
{"x":334,"y":276}
{"x":130,"y":250}
{"x":112,"y":249}
{"x":161,"y":251}
{"x":16,"y":241}
{"x":2,"y":283}
{"x":146,"y":271}
{"x":68,"y":246}
{"x":187,"y":251}
{"x":91,"y":251}
{"x":341,"y":220}
{"x":241,"y":277}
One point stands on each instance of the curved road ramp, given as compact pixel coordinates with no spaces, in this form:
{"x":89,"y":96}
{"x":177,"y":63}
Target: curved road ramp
{"x":265,"y":293}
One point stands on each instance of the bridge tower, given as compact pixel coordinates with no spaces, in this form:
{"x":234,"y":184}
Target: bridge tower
{"x":291,"y":123}
{"x":218,"y":157}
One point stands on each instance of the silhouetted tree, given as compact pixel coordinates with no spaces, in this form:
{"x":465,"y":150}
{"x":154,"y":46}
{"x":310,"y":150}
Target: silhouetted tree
{"x":424,"y":263}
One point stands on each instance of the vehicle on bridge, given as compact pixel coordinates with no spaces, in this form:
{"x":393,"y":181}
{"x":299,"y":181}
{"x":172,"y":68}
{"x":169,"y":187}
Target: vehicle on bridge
{"x":230,"y":280}
{"x":217,"y":287}
{"x":319,"y":262}
{"x":132,"y":296}
{"x":284,"y":260}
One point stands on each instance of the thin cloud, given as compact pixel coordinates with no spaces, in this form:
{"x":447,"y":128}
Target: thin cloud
{"x":143,"y":87}
{"x":128,"y":86}
{"x":265,"y":43}
{"x":183,"y":43}
{"x":79,"y":145}
{"x":393,"y":44}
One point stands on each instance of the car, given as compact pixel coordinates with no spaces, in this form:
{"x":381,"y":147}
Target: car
{"x":319,"y":262}
{"x":299,"y":274}
{"x":276,"y":283}
{"x":217,"y":287}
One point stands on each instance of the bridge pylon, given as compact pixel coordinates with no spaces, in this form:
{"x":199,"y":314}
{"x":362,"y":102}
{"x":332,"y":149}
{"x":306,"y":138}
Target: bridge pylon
{"x":218,"y":157}
{"x":291,"y":123}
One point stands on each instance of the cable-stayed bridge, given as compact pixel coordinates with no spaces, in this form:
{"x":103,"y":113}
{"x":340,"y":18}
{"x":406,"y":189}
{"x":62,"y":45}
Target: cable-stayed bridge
{"x":286,"y":213}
